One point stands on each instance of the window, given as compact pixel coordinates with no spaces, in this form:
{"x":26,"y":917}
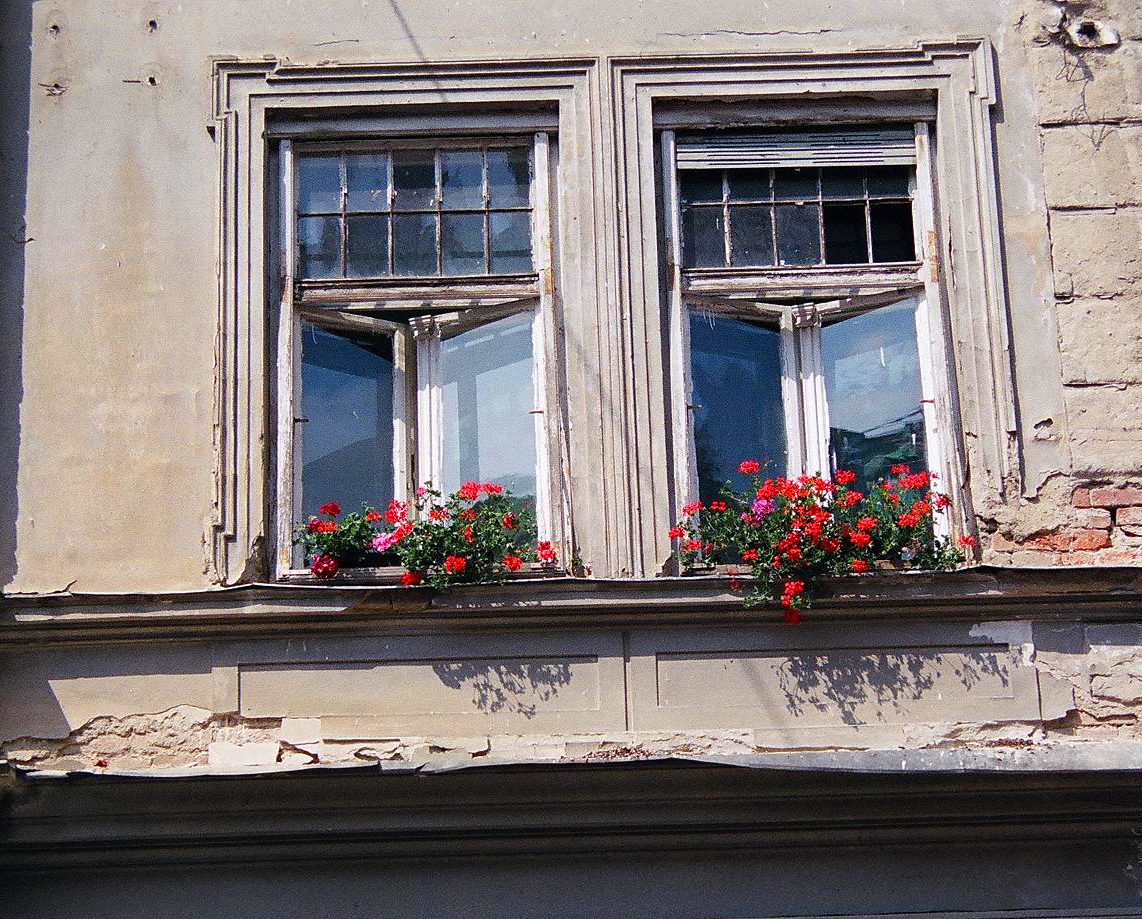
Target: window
{"x":801,"y":334}
{"x":414,"y":329}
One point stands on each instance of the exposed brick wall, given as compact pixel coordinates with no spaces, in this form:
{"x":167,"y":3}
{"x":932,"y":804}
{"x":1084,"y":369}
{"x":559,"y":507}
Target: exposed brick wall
{"x":1086,"y":57}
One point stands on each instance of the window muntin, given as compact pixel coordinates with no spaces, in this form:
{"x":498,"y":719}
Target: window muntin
{"x":414,"y":213}
{"x":798,"y":216}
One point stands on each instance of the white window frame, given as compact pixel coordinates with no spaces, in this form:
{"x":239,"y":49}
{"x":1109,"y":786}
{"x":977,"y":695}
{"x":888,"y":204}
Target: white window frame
{"x":445,"y":307}
{"x":829,"y":293}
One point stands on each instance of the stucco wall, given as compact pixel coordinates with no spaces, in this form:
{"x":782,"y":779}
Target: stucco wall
{"x":110,"y":249}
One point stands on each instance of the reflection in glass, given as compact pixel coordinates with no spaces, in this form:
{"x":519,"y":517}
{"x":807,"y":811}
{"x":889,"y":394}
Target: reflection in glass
{"x":414,"y":244}
{"x":735,"y":371}
{"x":888,"y":181}
{"x":703,"y":237}
{"x":797,"y":184}
{"x":892,"y":239}
{"x":842,"y":182}
{"x":414,"y":180}
{"x":318,"y":184}
{"x":367,"y":182}
{"x":749,"y":184}
{"x":462,"y":243}
{"x":509,"y":179}
{"x":367,"y":247}
{"x":461,"y":179}
{"x":700,"y":185}
{"x":510,"y":242}
{"x":872,"y":384}
{"x":798,"y":234}
{"x":347,"y":439}
{"x":845,"y":234}
{"x":489,"y":431}
{"x":751,"y":234}
{"x":319,"y":247}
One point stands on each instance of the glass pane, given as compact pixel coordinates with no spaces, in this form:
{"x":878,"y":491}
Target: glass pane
{"x":509,"y":178}
{"x":347,"y":441}
{"x":892,"y":232}
{"x":796,"y":184}
{"x":751,"y":235}
{"x":462,"y":243}
{"x":367,"y":247}
{"x":462,"y":178}
{"x":888,"y":181}
{"x":319,"y":247}
{"x":846,"y":242}
{"x":735,"y":368}
{"x":414,"y":244}
{"x":318,"y":184}
{"x":367,"y":182}
{"x":749,"y":184}
{"x":842,"y":182}
{"x":510,"y":242}
{"x":872,"y":383}
{"x":489,"y":433}
{"x":414,"y":180}
{"x":703,"y":237}
{"x":798,"y":234}
{"x":700,"y":185}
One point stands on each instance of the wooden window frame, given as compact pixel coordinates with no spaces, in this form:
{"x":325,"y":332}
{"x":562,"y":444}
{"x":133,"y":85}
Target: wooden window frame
{"x":827,"y":293}
{"x":418,"y":313}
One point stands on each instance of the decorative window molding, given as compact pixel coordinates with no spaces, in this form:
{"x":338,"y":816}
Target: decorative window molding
{"x":956,"y":79}
{"x":256,"y":100}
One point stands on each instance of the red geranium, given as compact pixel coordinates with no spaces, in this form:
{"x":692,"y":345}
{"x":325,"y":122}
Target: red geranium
{"x":332,"y":508}
{"x":323,"y":566}
{"x":412,"y":578}
{"x":513,"y":562}
{"x":749,"y":467}
{"x":469,"y":491}
{"x":455,"y":564}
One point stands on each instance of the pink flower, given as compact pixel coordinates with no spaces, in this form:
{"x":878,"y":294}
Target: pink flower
{"x":762,"y":506}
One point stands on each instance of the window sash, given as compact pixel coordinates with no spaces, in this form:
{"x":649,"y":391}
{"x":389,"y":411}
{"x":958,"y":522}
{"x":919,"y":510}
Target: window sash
{"x":417,"y":407}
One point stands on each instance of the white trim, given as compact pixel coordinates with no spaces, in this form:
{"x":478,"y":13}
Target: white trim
{"x":791,"y":395}
{"x":682,"y":413}
{"x":288,"y":371}
{"x":429,"y":405}
{"x":545,"y":408}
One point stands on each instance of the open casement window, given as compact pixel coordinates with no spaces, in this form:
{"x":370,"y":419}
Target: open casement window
{"x":803,"y":294}
{"x":415,"y":330}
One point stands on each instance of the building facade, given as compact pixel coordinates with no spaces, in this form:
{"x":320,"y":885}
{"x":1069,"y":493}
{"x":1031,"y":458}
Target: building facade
{"x":258,"y":257}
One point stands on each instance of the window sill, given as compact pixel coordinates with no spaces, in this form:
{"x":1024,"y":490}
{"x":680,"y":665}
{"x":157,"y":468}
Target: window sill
{"x":390,"y":576}
{"x":982,"y":593}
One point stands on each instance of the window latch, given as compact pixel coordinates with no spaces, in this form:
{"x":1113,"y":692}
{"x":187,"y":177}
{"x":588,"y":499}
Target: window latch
{"x":300,"y":420}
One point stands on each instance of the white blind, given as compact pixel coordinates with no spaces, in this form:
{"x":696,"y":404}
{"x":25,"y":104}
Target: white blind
{"x":885,"y":147}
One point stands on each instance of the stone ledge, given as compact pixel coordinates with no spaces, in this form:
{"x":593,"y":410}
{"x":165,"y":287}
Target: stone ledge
{"x":983,"y":592}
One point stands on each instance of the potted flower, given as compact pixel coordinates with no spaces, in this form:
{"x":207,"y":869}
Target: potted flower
{"x":479,"y":534}
{"x":791,"y":532}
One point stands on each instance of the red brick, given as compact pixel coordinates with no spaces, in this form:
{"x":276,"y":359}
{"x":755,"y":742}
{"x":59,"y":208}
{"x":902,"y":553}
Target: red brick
{"x":1000,"y":543}
{"x":1056,"y":541}
{"x":1080,"y":497}
{"x":1090,"y":539}
{"x":1115,"y":497}
{"x":1128,"y":516}
{"x":1093,"y":517}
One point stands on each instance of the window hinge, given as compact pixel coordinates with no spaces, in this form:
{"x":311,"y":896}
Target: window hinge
{"x":300,"y":420}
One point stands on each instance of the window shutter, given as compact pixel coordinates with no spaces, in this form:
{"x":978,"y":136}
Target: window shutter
{"x":884,"y":147}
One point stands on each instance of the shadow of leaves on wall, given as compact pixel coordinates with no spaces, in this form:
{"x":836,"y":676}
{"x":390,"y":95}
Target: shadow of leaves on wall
{"x":515,"y":687}
{"x":888,"y":680}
